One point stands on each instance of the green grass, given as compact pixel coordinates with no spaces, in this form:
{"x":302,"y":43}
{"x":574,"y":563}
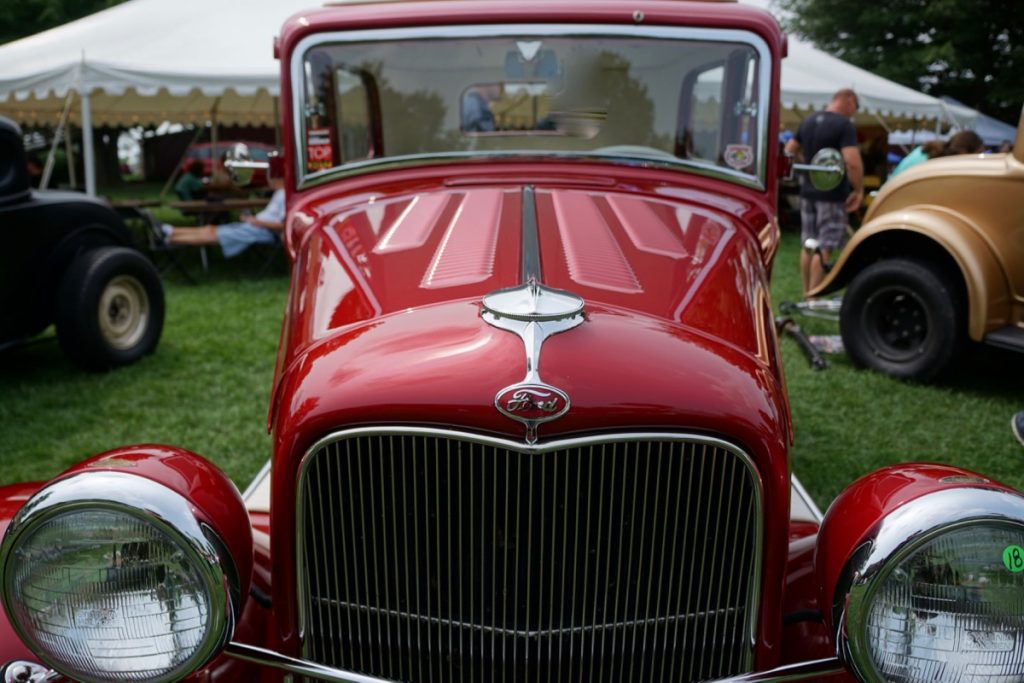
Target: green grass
{"x":207,"y":388}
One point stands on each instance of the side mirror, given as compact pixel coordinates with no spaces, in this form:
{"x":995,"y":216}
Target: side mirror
{"x":826,"y":169}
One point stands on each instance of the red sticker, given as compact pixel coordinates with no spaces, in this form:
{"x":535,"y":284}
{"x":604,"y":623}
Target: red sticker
{"x":319,"y":151}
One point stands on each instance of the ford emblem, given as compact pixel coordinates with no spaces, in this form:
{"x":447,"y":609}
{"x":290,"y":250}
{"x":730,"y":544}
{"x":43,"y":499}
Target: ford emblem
{"x":532,"y":403}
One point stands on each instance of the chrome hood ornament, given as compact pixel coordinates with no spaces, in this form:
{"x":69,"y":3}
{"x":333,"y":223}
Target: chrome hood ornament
{"x":534,"y":312}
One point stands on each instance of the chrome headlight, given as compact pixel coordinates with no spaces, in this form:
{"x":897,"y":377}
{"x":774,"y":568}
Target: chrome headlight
{"x":938,"y":593}
{"x":109,"y":577}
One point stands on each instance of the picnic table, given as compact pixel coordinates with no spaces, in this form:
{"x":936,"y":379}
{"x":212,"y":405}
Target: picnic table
{"x":203,"y":209}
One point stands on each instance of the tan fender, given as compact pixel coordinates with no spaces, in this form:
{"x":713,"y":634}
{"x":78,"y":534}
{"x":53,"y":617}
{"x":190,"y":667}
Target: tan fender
{"x":987,"y":290}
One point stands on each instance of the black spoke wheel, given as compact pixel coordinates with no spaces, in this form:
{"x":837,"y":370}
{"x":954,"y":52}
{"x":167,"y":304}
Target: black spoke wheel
{"x":903,"y":318}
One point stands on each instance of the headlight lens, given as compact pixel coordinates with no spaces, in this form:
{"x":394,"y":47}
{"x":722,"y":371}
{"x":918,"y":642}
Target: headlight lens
{"x":952,"y":609}
{"x":121,"y":586}
{"x":109,"y":595}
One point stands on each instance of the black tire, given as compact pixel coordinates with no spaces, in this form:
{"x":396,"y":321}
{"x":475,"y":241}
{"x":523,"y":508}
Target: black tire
{"x":110,"y":308}
{"x":903,"y":318}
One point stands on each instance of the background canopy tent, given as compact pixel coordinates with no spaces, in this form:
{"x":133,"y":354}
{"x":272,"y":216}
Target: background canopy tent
{"x":190,"y":61}
{"x":993,"y":132}
{"x":148,"y":61}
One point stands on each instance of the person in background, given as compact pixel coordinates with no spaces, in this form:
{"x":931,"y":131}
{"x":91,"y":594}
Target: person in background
{"x":1017,"y":425}
{"x":234,"y":238}
{"x":823,"y":214}
{"x":190,"y":184}
{"x":35,"y":171}
{"x":477,"y":116}
{"x":964,"y":142}
{"x":920,"y":154}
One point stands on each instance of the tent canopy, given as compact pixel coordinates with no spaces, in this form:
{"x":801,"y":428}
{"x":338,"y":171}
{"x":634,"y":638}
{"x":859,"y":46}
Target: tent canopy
{"x":810,"y":77}
{"x":149,"y":61}
{"x":993,"y":132}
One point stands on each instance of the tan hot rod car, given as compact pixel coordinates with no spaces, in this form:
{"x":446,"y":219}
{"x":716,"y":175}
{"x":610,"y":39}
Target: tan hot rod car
{"x":938,"y":260}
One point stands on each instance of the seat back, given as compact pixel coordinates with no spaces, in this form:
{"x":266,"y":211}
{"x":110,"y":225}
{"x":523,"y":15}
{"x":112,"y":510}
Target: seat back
{"x":14,"y":180}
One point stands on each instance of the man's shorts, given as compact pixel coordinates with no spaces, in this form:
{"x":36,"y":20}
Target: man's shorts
{"x":234,"y":238}
{"x":823,"y":221}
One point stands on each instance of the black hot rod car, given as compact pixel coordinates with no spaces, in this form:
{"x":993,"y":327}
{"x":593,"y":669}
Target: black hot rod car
{"x":67,"y":259}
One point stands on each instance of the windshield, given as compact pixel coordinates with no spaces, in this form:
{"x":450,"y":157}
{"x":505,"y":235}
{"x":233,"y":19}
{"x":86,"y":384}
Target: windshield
{"x":661,"y":96}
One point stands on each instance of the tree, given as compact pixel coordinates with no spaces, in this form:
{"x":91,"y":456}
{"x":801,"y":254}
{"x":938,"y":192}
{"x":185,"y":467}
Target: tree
{"x":20,"y":18}
{"x":972,"y":50}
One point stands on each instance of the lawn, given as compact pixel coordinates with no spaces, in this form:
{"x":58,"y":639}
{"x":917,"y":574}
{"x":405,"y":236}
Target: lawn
{"x":207,"y":386}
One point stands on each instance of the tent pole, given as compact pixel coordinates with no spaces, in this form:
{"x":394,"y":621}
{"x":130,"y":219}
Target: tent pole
{"x":277,"y":122}
{"x":214,"y":157}
{"x":44,"y":182}
{"x":88,"y":153}
{"x":69,"y":152}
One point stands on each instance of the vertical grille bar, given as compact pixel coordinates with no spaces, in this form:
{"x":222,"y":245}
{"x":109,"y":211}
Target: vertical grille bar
{"x":607,"y":559}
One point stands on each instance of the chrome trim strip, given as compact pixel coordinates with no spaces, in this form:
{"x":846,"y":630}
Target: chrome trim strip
{"x":154,"y":504}
{"x":275,"y":660}
{"x":802,"y":671}
{"x":298,"y":74}
{"x":757,"y":488}
{"x":358,"y":168}
{"x":897,"y":536}
{"x":531,"y":240}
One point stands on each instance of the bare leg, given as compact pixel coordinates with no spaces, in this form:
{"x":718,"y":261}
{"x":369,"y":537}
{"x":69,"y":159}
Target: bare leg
{"x":817,"y":268}
{"x":805,"y":269}
{"x":206,"y":234}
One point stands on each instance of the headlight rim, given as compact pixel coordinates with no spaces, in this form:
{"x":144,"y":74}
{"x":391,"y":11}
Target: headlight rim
{"x":154,"y":504}
{"x":891,"y":542}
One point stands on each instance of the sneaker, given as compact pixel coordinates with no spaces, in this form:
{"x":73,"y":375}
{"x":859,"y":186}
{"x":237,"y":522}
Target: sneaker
{"x":1017,"y":425}
{"x":165,"y":233}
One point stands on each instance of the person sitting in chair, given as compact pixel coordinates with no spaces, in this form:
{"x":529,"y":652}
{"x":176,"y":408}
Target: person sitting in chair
{"x":234,"y":238}
{"x":190,"y":184}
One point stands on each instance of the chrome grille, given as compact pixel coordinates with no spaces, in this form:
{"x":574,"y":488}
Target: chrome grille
{"x":433,"y":556}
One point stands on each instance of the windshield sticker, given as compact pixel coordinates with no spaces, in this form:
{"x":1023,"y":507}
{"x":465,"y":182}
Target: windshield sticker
{"x":319,"y":154}
{"x":739,"y":157}
{"x":1013,"y":558}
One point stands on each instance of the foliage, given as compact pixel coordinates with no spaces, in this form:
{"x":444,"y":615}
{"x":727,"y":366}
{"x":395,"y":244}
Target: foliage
{"x":972,"y":50}
{"x":22,"y":18}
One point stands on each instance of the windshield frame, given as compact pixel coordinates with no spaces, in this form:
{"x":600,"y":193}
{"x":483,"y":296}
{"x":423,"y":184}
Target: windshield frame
{"x":305,"y":179}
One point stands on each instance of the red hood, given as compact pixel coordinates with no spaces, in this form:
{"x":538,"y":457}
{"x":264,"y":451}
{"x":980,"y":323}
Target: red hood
{"x":678,"y":260}
{"x":384,"y":322}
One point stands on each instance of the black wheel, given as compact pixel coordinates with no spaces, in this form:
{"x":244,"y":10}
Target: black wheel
{"x":110,"y":308}
{"x":903,"y":318}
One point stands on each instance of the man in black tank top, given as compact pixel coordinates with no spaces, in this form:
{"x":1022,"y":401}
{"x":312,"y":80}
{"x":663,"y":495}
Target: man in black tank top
{"x":823,"y":213}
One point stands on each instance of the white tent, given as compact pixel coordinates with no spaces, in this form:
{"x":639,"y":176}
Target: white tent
{"x":191,"y":61}
{"x":149,"y":61}
{"x":810,"y":77}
